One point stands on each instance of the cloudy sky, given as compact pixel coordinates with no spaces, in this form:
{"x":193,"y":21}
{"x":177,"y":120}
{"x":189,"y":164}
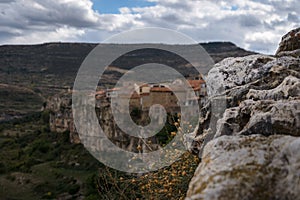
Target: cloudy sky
{"x":252,"y":24}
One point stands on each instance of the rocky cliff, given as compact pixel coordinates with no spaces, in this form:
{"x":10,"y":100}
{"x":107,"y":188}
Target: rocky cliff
{"x":255,"y":148}
{"x":61,"y":120}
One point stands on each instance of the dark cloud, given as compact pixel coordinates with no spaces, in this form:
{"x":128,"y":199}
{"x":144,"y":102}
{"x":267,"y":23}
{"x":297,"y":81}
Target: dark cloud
{"x":7,"y":1}
{"x":175,"y":19}
{"x":249,"y":21}
{"x":293,"y":18}
{"x":48,"y":12}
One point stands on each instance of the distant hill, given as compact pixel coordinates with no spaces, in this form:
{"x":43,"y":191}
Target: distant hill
{"x":48,"y":68}
{"x":64,"y":59}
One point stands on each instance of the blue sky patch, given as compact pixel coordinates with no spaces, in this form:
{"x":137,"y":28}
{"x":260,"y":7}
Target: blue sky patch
{"x":234,"y":7}
{"x":112,"y":6}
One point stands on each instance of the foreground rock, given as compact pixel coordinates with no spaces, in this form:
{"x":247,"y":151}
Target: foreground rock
{"x":254,"y":151}
{"x":248,"y":167}
{"x":290,"y":44}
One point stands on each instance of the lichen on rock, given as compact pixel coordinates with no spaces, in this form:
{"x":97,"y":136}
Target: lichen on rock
{"x":254,"y":152}
{"x":248,"y":167}
{"x":290,"y":44}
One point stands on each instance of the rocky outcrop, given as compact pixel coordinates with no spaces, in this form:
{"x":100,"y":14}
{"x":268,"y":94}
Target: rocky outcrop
{"x":254,"y":147}
{"x":61,"y":120}
{"x":248,"y":167}
{"x":265,"y":117}
{"x":290,"y":44}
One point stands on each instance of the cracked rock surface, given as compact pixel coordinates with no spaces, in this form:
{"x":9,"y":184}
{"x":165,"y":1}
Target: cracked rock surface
{"x":254,"y":147}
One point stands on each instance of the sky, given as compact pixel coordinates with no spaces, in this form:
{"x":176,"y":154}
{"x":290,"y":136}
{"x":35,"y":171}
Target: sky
{"x":256,"y":25}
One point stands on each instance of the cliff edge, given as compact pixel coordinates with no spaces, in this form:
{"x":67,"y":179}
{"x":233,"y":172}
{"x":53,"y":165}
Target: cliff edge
{"x":255,"y":149}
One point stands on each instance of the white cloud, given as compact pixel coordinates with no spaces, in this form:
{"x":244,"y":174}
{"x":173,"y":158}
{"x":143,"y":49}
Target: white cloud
{"x":254,"y":24}
{"x":65,"y":33}
{"x":35,"y":21}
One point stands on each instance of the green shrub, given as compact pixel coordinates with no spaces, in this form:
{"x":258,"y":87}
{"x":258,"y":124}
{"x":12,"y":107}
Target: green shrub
{"x":74,"y":189}
{"x":45,"y":116}
{"x":90,"y":186}
{"x":41,"y":146}
{"x":2,"y":168}
{"x":10,"y":178}
{"x":92,"y":197}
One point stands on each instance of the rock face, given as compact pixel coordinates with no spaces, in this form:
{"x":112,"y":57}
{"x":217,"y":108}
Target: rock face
{"x":254,"y":151}
{"x":61,"y":120}
{"x":290,"y":44}
{"x":248,"y":167}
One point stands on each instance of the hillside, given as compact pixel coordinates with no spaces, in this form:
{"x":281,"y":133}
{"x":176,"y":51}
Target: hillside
{"x":63,"y":59}
{"x":47,"y":69}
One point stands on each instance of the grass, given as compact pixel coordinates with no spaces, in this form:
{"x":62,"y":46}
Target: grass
{"x":19,"y":99}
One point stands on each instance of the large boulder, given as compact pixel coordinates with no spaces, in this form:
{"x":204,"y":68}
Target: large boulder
{"x":290,"y":44}
{"x":248,"y":167}
{"x":252,"y":150}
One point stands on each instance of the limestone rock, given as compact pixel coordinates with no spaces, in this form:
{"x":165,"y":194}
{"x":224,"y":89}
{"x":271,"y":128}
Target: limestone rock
{"x":263,"y":79}
{"x":233,"y":72}
{"x":265,"y":117}
{"x":248,"y":167}
{"x":290,"y":44}
{"x":61,"y":120}
{"x":290,"y":87}
{"x":253,"y":151}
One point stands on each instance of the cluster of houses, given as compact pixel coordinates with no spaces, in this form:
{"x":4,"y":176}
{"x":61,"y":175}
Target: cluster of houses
{"x":171,"y":95}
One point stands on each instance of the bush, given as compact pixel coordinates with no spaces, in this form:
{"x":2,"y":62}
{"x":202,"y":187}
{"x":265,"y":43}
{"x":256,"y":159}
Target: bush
{"x":90,"y":186}
{"x":29,"y":163}
{"x":74,"y":189}
{"x":45,"y":116}
{"x":40,"y":146}
{"x":2,"y":168}
{"x":10,"y":177}
{"x":92,"y":197}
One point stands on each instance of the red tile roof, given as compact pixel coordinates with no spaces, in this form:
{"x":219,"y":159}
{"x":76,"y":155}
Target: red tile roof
{"x":160,"y":89}
{"x":196,"y":83}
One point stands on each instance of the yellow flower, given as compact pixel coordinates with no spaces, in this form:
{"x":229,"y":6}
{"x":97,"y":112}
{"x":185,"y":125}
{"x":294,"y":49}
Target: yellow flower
{"x":139,"y":147}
